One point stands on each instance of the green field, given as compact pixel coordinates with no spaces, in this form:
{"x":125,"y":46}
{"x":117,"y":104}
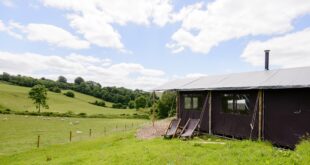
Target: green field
{"x":19,"y":133}
{"x":16,"y":99}
{"x":126,"y":149}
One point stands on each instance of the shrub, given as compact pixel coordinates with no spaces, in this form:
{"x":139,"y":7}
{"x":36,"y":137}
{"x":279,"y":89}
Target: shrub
{"x":82,"y":114}
{"x":69,"y":94}
{"x":54,"y":89}
{"x":140,"y":102}
{"x":131,"y":104}
{"x":99,"y":103}
{"x":119,"y":105}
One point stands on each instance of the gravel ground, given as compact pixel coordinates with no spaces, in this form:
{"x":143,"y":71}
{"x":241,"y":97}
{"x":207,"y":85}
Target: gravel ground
{"x":149,"y":132}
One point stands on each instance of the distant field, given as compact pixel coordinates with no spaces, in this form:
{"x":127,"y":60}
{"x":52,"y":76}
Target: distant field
{"x":126,"y":149}
{"x":19,"y":133}
{"x":16,"y":99}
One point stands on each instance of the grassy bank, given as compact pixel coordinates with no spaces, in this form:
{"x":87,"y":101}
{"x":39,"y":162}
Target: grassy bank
{"x":126,"y":149}
{"x":19,"y":133}
{"x":16,"y":99}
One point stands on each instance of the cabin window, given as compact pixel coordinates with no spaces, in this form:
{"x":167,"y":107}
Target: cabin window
{"x":235,"y":103}
{"x":193,"y":102}
{"x":187,"y":102}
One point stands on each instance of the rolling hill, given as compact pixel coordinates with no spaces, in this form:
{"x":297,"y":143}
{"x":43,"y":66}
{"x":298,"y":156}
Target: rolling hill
{"x":16,"y":98}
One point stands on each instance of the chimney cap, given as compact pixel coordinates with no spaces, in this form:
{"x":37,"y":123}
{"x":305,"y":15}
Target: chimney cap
{"x":267,"y":51}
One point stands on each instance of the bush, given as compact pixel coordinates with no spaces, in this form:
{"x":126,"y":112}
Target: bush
{"x":140,"y":102}
{"x":82,"y":114}
{"x":54,"y":89}
{"x":99,"y":103}
{"x":119,"y":105}
{"x":69,"y":94}
{"x":131,"y":104}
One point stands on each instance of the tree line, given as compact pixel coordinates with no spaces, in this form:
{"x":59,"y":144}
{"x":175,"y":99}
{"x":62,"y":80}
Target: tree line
{"x":122,"y":97}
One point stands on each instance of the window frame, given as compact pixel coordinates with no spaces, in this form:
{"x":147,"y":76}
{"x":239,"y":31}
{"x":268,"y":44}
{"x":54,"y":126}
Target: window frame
{"x":199,"y":103}
{"x":234,"y":98}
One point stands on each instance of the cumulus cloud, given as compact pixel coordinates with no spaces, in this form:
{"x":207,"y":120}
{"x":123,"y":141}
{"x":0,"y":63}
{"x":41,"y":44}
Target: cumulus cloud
{"x":290,"y":50}
{"x":54,"y":36}
{"x":205,"y":26}
{"x":130,"y":75}
{"x":94,"y":19}
{"x":45,"y":33}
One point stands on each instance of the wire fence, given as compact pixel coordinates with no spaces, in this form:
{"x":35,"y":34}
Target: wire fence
{"x":21,"y":133}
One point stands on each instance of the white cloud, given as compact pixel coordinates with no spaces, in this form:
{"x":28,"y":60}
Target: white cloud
{"x":205,"y":26}
{"x":10,"y":30}
{"x":45,"y":33}
{"x":8,"y":3}
{"x":54,"y":36}
{"x":101,"y":70}
{"x":290,"y":50}
{"x":94,"y":19}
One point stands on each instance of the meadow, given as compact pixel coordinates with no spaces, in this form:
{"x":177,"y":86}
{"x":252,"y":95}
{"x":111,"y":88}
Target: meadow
{"x":19,"y":133}
{"x":125,"y":148}
{"x":16,"y":98}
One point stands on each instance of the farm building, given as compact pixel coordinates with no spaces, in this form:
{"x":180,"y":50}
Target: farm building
{"x":272,"y":105}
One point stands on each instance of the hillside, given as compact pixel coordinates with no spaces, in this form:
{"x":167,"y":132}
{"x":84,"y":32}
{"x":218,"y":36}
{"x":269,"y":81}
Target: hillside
{"x":16,"y":98}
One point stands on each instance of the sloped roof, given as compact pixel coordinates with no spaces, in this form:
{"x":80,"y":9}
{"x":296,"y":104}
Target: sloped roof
{"x":272,"y":79}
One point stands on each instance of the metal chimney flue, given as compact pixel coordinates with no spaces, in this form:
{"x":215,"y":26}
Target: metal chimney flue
{"x":267,"y":59}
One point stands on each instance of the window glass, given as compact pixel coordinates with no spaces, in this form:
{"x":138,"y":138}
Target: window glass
{"x":235,"y":103}
{"x":195,"y":103}
{"x":230,"y":105}
{"x":187,"y":102}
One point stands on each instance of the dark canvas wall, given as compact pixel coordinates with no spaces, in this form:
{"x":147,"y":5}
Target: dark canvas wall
{"x":194,"y":114}
{"x":286,"y":116}
{"x":230,"y":124}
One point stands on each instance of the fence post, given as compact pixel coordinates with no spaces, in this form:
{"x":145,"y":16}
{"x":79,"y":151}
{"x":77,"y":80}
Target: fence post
{"x":89,"y":132}
{"x":70,"y":136}
{"x":38,"y":141}
{"x":125,"y":127}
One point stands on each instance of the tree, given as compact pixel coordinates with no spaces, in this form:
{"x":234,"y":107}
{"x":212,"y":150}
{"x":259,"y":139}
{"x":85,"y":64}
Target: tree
{"x":131,"y":104}
{"x":78,"y":80}
{"x":62,"y":79}
{"x":166,"y":105}
{"x":38,"y":94}
{"x":5,"y":76}
{"x":140,"y":102}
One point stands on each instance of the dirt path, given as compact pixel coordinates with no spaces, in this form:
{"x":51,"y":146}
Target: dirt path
{"x":149,"y":132}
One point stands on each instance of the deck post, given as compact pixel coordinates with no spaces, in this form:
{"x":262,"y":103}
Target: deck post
{"x":210,"y":114}
{"x":177,"y":100}
{"x":260,"y":112}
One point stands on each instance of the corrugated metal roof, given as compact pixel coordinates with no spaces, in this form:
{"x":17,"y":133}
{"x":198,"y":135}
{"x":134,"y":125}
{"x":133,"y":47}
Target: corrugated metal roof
{"x":272,"y":79}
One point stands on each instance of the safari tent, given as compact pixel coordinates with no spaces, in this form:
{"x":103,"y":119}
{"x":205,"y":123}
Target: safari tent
{"x":272,"y":105}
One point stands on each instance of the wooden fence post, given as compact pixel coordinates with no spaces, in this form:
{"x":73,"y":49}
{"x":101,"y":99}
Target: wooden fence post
{"x":38,"y":141}
{"x":89,"y":132}
{"x":70,"y":138}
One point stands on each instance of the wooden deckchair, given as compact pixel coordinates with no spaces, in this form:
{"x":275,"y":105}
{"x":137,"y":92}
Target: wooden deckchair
{"x":173,"y":128}
{"x":189,"y":128}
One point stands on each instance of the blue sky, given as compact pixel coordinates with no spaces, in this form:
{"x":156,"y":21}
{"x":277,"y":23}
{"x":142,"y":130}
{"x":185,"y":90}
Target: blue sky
{"x":154,"y":46}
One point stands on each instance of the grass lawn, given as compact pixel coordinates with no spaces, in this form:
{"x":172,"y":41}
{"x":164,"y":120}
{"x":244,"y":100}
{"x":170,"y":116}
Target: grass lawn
{"x":126,"y":149}
{"x":19,"y":133}
{"x":16,"y":99}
